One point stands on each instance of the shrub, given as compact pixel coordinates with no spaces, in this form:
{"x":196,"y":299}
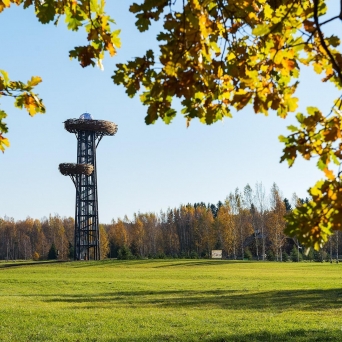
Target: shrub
{"x":161,"y":255}
{"x":193,"y":255}
{"x":182,"y":255}
{"x":310,"y":256}
{"x":204,"y":255}
{"x":71,"y":251}
{"x":270,"y":256}
{"x":320,"y":256}
{"x":134,"y":249}
{"x":295,"y":256}
{"x":317,"y":256}
{"x":285,"y":256}
{"x":35,"y":256}
{"x":124,"y":253}
{"x":247,"y":254}
{"x":328,"y":257}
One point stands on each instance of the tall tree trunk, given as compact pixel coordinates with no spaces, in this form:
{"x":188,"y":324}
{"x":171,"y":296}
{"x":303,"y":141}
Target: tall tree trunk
{"x":256,"y":245}
{"x":337,"y":246}
{"x":263,"y":241}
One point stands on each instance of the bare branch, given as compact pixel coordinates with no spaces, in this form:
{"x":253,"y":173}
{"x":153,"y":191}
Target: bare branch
{"x":323,"y":43}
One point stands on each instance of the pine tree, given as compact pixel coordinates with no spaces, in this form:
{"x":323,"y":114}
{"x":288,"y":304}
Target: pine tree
{"x":52,"y":255}
{"x":71,"y":251}
{"x":247,"y":254}
{"x":288,"y":205}
{"x":125,"y":253}
{"x":295,"y":256}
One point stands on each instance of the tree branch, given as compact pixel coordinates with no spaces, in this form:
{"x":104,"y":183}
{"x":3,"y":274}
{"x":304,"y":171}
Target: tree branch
{"x":331,"y":19}
{"x":323,"y":43}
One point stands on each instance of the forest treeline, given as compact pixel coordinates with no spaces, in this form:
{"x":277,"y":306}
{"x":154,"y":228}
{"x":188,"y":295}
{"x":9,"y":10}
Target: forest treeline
{"x":248,"y":224}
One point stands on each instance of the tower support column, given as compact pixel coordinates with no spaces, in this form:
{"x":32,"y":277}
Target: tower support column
{"x":87,"y":239}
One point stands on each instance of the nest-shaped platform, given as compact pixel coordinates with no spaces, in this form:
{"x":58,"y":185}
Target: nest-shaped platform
{"x":69,"y":169}
{"x":101,"y":127}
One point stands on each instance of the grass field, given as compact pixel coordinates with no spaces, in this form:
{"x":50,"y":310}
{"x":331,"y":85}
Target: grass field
{"x":171,"y":300}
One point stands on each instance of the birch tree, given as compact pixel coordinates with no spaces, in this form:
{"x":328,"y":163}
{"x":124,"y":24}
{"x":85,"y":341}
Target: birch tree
{"x":276,"y":222}
{"x":260,"y":199}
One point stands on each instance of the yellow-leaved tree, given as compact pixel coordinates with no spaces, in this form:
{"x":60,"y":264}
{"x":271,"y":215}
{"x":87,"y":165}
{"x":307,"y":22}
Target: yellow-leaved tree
{"x":216,"y":55}
{"x":104,"y":243}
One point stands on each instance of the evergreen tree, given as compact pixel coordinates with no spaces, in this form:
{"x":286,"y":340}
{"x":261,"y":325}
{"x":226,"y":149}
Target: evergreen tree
{"x":247,"y":254}
{"x":270,"y":256}
{"x":52,"y":255}
{"x":125,"y":253}
{"x":295,"y":256}
{"x":193,"y":255}
{"x":285,"y":257}
{"x":213,"y":209}
{"x":219,"y":205}
{"x":134,"y":249}
{"x":288,"y":205}
{"x":71,"y":251}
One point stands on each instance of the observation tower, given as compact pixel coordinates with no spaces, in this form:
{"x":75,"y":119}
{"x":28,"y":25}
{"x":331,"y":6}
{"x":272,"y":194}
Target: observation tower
{"x":89,"y":133}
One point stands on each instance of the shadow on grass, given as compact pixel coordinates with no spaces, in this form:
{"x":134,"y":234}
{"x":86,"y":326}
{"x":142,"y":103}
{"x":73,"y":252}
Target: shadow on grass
{"x":205,"y":263}
{"x":114,"y":263}
{"x":299,"y":335}
{"x":30,"y":263}
{"x":155,"y":263}
{"x":283,"y":300}
{"x":158,"y":263}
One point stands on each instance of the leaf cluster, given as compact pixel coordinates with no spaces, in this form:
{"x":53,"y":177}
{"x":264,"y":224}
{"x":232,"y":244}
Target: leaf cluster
{"x":316,"y":220}
{"x":24,"y":98}
{"x":218,"y":55}
{"x":89,"y":14}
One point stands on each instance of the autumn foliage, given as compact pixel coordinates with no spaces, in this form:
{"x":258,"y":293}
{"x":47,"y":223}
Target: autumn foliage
{"x":216,"y":57}
{"x":248,"y":224}
{"x":41,"y":239}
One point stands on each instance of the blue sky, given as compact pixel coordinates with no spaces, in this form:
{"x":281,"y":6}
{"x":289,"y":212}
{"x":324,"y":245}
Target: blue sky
{"x":142,"y":168}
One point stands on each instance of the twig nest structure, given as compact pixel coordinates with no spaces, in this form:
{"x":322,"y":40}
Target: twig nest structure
{"x":69,"y":169}
{"x":101,"y":127}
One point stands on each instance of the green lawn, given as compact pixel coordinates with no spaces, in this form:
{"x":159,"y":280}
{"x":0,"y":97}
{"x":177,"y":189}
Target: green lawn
{"x":171,"y":300}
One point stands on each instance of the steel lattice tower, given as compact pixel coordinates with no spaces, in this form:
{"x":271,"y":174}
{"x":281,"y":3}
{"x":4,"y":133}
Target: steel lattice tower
{"x":89,"y":132}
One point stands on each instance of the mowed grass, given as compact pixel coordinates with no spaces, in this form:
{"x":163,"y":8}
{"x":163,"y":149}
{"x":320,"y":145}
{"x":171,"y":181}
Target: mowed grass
{"x":171,"y":300}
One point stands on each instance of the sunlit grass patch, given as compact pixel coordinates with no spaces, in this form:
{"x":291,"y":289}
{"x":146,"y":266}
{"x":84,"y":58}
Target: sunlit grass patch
{"x":171,"y":300}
